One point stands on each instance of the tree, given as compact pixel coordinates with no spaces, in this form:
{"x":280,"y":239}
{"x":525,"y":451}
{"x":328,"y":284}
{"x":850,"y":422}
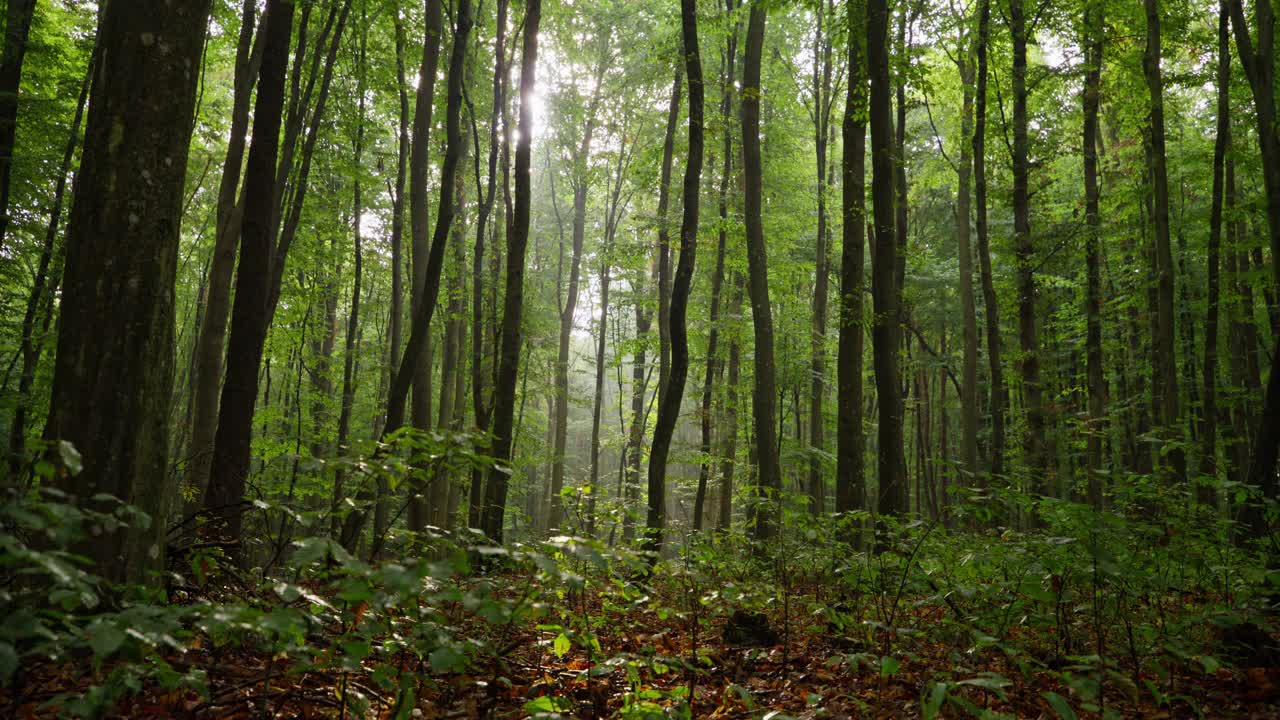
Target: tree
{"x":252,"y":281}
{"x":513,"y":303}
{"x":113,"y":379}
{"x":1166,"y":375}
{"x":17,"y":29}
{"x":1092,"y":41}
{"x":991,"y":304}
{"x":851,"y":492}
{"x":673,"y":393}
{"x":886,"y":328}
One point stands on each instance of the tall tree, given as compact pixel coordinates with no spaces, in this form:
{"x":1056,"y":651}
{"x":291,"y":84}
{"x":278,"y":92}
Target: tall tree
{"x":513,"y":302}
{"x":969,"y":317}
{"x":113,"y":373}
{"x":249,"y":319}
{"x":886,"y":329}
{"x":1097,"y":384}
{"x":211,"y":340}
{"x":822,"y":104}
{"x":1165,"y":354}
{"x":1259,"y":64}
{"x":1024,"y":249}
{"x":673,"y":394}
{"x":769,"y":471}
{"x":1206,"y":490}
{"x":851,"y":491}
{"x":581,"y":182}
{"x":991,"y":304}
{"x":17,"y":29}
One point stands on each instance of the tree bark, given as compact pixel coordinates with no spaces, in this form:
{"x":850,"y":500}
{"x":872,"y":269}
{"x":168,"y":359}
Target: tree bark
{"x":769,"y":480}
{"x":513,"y":303}
{"x":17,"y":29}
{"x":664,"y":235}
{"x":211,"y":340}
{"x":1206,"y":487}
{"x":1095,"y":380}
{"x":822,"y":105}
{"x":851,"y":490}
{"x":1024,"y":249}
{"x":673,"y":393}
{"x":1166,"y":391}
{"x":113,"y":373}
{"x":886,"y":329}
{"x":969,"y":317}
{"x":230,"y":467}
{"x":44,"y":287}
{"x":991,"y":305}
{"x":481,"y":403}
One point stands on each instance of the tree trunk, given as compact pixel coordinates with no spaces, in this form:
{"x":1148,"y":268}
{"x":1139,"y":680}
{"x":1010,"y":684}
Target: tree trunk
{"x":969,"y":317}
{"x":999,"y":395}
{"x":517,"y":241}
{"x":395,"y":322}
{"x":822,"y":104}
{"x":769,"y":480}
{"x":230,"y":466}
{"x":717,"y":280}
{"x":886,"y":329}
{"x":664,"y":236}
{"x":851,"y":490}
{"x":673,"y":393}
{"x":1024,"y":248}
{"x":1206,"y":487}
{"x":17,"y":28}
{"x":1095,"y":380}
{"x":481,"y":403}
{"x":44,"y":288}
{"x":113,"y":373}
{"x":1259,"y":67}
{"x":1166,"y":391}
{"x":580,"y":182}
{"x":210,"y":342}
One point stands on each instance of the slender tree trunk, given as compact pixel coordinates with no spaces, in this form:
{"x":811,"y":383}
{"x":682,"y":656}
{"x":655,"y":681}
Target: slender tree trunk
{"x":729,"y":452}
{"x":44,"y":287}
{"x":1166,"y":391}
{"x":395,"y":323}
{"x":1259,"y":66}
{"x":969,"y":317}
{"x":664,"y":236}
{"x":211,"y":340}
{"x":886,"y":329}
{"x":851,"y":491}
{"x":999,"y":395}
{"x":580,"y":184}
{"x":481,"y":403}
{"x":1096,"y":381}
{"x":230,"y":466}
{"x":769,"y":481}
{"x":517,"y":241}
{"x":593,"y":486}
{"x":353,"y":318}
{"x":17,"y":28}
{"x":1206,"y":487}
{"x":419,"y":163}
{"x":822,"y":92}
{"x":116,"y":324}
{"x":673,"y":393}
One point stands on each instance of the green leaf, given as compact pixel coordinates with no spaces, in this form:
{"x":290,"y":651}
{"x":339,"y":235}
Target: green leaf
{"x":546,"y":705}
{"x":1059,"y":705}
{"x":932,"y":704}
{"x":105,"y":638}
{"x":70,"y":457}
{"x":561,"y":645}
{"x":446,"y":659}
{"x":889,"y":665}
{"x":8,"y":662}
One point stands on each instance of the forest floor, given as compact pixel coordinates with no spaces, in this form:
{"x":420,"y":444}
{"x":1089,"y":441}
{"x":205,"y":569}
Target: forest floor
{"x":800,"y":668}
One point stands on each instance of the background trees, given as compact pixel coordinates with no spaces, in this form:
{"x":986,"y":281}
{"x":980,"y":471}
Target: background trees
{"x":552,"y":339}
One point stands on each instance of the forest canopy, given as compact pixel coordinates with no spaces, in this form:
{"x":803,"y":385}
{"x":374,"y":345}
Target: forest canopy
{"x":640,"y":358}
